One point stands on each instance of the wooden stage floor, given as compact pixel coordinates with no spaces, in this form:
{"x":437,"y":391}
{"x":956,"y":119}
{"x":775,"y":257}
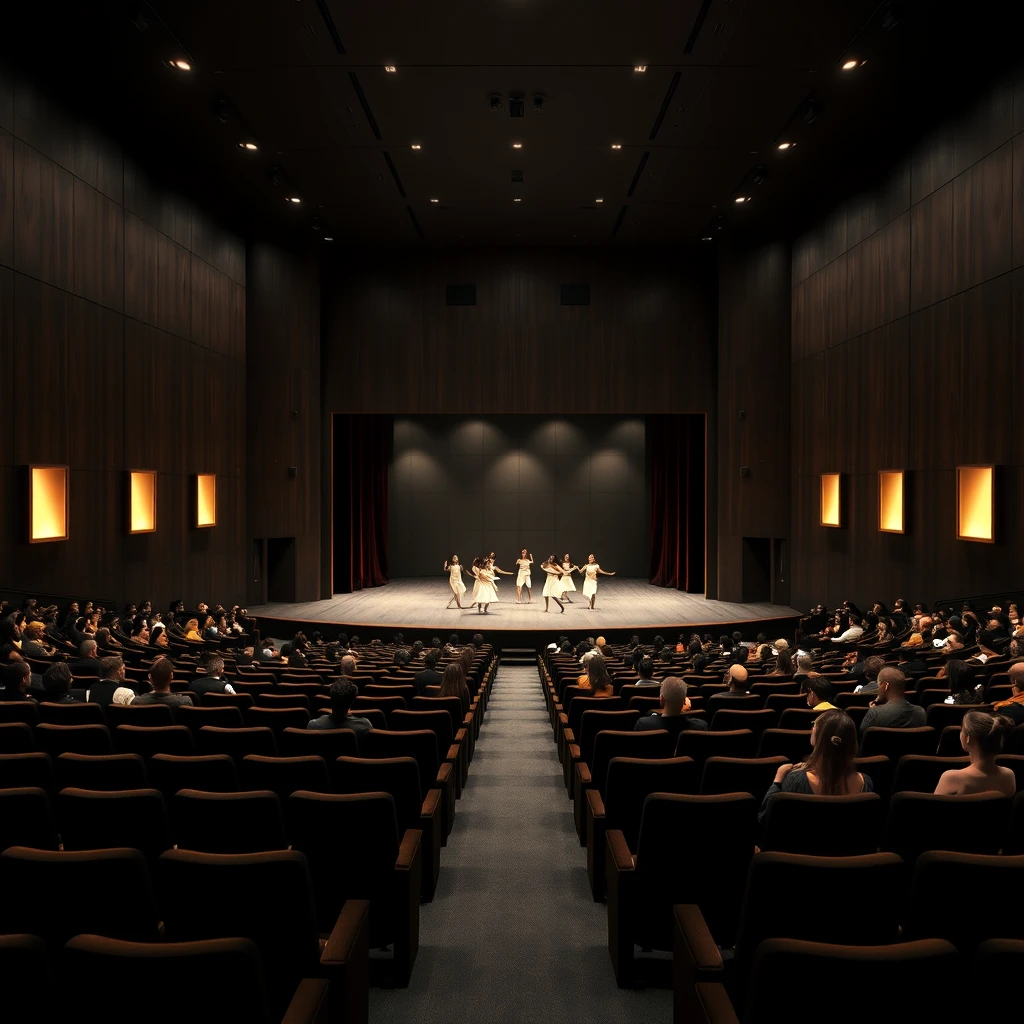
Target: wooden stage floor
{"x":622,"y":604}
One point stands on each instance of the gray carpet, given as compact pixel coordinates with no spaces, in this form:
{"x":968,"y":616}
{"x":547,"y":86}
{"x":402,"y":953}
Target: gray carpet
{"x":513,"y":934}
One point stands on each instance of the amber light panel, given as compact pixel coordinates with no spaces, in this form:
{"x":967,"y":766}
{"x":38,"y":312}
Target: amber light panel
{"x":890,"y":501}
{"x":206,"y":499}
{"x":48,"y":503}
{"x":975,"y":504}
{"x":142,"y":501}
{"x":830,"y":515}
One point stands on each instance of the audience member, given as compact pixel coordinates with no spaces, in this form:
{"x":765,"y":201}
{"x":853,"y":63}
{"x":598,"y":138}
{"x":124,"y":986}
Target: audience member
{"x":982,"y":736}
{"x":645,"y":672}
{"x":213,"y":681}
{"x":830,"y":770}
{"x":819,"y":693}
{"x":428,"y":675}
{"x":160,"y":673}
{"x":32,"y":645}
{"x":453,"y":684}
{"x":17,"y":677}
{"x":343,"y":695}
{"x":111,"y":687}
{"x":872,"y":666}
{"x":1013,"y":707}
{"x":891,"y":709}
{"x":598,"y":681}
{"x":804,"y":666}
{"x":88,"y":661}
{"x":736,"y":677}
{"x":673,"y":702}
{"x":57,"y":684}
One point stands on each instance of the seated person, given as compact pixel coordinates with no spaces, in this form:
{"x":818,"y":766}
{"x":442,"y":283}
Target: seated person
{"x":891,"y":709}
{"x":736,"y":677}
{"x":830,"y":770}
{"x":872,"y":666}
{"x":57,"y":684}
{"x":597,"y":680}
{"x":33,"y":644}
{"x":343,"y":694}
{"x":427,"y":676}
{"x":645,"y":672}
{"x":982,"y":736}
{"x":670,"y":716}
{"x":1013,"y":707}
{"x":160,"y":673}
{"x":819,"y":693}
{"x":17,"y":676}
{"x":111,"y":687}
{"x":804,"y":666}
{"x":192,"y":631}
{"x":453,"y":684}
{"x":213,"y":681}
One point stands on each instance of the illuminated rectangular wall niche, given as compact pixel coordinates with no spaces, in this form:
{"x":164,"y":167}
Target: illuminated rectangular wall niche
{"x":206,"y":499}
{"x":142,"y":501}
{"x":975,"y":503}
{"x":47,"y":503}
{"x":890,"y":501}
{"x":830,"y":514}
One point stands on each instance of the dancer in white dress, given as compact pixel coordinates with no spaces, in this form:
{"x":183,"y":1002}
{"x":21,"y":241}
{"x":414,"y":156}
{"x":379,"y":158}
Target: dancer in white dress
{"x":568,"y":585}
{"x":492,"y":565}
{"x":455,"y":569}
{"x":552,"y":582}
{"x":523,"y":563}
{"x":483,"y":590}
{"x":591,"y":571}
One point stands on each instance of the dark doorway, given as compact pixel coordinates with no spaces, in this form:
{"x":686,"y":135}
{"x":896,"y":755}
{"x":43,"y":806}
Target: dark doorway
{"x":757,"y":569}
{"x":281,"y":569}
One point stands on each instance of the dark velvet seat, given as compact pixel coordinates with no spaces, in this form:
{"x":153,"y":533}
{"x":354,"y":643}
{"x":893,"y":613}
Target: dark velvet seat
{"x":96,"y":820}
{"x":244,"y":822}
{"x":215,"y":773}
{"x":32,"y":768}
{"x":101,"y":771}
{"x":75,"y":739}
{"x":284,"y":775}
{"x":823,"y":826}
{"x":212,"y":739}
{"x":26,"y":819}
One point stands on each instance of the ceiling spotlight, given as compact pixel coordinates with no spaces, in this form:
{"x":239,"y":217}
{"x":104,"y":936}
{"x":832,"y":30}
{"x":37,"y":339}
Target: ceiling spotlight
{"x":390,"y":68}
{"x":293,"y":199}
{"x":849,"y":65}
{"x":598,"y":200}
{"x":435,"y":200}
{"x":181,"y":65}
{"x":327,"y":238}
{"x":495,"y":102}
{"x":639,"y":68}
{"x":616,"y":145}
{"x":517,"y":145}
{"x":250,"y":146}
{"x":415,"y":145}
{"x":785,"y":145}
{"x":707,"y":238}
{"x":741,"y":199}
{"x":517,"y":200}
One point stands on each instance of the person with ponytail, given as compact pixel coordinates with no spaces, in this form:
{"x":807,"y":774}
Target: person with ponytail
{"x":982,"y":736}
{"x":830,"y":770}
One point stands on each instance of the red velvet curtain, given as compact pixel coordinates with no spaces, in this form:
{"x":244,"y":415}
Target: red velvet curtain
{"x":362,"y":451}
{"x":676,"y":454}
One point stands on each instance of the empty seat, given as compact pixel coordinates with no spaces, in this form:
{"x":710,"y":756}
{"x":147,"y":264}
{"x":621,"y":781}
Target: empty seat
{"x":277,"y":699}
{"x":32,"y":769}
{"x":149,"y":740}
{"x":329,"y":744}
{"x":276,"y":719}
{"x":194,"y":718}
{"x":247,"y":822}
{"x":726,"y":719}
{"x":227,"y":700}
{"x":24,"y":711}
{"x":966,"y":824}
{"x":71,"y":714}
{"x":74,"y":739}
{"x":378,"y":703}
{"x":16,"y":737}
{"x":591,"y":723}
{"x":879,"y":768}
{"x":792,"y":744}
{"x":284,"y":775}
{"x":798,"y":718}
{"x":101,"y":771}
{"x":212,"y":739}
{"x":740,"y":775}
{"x":642,"y":889}
{"x":701,"y":745}
{"x":30,"y":988}
{"x":26,"y":819}
{"x":58,"y":895}
{"x":355,"y":851}
{"x":215,"y":980}
{"x":894,"y":743}
{"x":282,"y":921}
{"x":403,"y":690}
{"x":822,"y":826}
{"x":139,"y":715}
{"x":942,"y":715}
{"x":95,"y":820}
{"x":214,"y":773}
{"x":920,"y":773}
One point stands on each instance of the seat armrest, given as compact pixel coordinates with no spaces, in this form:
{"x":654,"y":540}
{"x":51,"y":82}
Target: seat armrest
{"x":574,"y":751}
{"x":583,"y":775}
{"x":453,"y":752}
{"x":698,"y":941}
{"x":431,"y":804}
{"x":621,"y":858}
{"x":714,"y":1005}
{"x":444,"y":773}
{"x":460,"y":736}
{"x":345,"y":963}
{"x":409,"y":851}
{"x":309,"y":1005}
{"x":562,"y":716}
{"x":595,"y":804}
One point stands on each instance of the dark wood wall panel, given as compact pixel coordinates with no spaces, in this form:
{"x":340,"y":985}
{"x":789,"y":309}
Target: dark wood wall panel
{"x":924,"y":377}
{"x":120,"y":348}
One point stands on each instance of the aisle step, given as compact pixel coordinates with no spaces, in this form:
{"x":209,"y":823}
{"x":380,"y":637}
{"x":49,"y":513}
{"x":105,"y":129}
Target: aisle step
{"x":518,"y":656}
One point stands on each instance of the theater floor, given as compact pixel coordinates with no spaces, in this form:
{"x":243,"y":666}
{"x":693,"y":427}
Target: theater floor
{"x":513,"y":935}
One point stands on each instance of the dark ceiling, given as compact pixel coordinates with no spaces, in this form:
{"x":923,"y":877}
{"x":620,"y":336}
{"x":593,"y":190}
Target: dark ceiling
{"x":725,"y":81}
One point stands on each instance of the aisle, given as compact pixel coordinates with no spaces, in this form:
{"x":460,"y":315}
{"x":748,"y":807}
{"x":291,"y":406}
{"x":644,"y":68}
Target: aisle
{"x":513,"y":936}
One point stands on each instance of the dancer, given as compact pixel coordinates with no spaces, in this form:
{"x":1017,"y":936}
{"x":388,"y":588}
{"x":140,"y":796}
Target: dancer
{"x":552,"y":585}
{"x":495,"y":569}
{"x":455,"y":569}
{"x":523,"y":563}
{"x":483,"y":590}
{"x":568,"y":586}
{"x":592,"y":570}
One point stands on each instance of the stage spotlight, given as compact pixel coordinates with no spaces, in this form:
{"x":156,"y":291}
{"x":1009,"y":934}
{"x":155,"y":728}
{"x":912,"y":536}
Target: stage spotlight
{"x":180,"y":65}
{"x":707,"y":238}
{"x":517,"y":145}
{"x":598,"y":200}
{"x":495,"y":102}
{"x":327,"y":238}
{"x":852,"y":63}
{"x":435,"y":200}
{"x":538,"y":103}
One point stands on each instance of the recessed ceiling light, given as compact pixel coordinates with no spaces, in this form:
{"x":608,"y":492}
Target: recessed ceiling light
{"x":517,"y":200}
{"x":435,"y":200}
{"x":639,"y":68}
{"x":517,"y":145}
{"x":849,"y":65}
{"x":616,"y":145}
{"x":327,"y":238}
{"x":390,"y":68}
{"x":742,"y":199}
{"x":181,"y":65}
{"x":415,"y":145}
{"x":293,"y":199}
{"x":707,"y":238}
{"x":598,"y":200}
{"x":786,"y":145}
{"x":251,"y":146}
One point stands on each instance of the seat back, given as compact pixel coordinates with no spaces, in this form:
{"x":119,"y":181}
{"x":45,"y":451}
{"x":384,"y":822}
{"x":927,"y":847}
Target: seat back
{"x":385,"y":704}
{"x":277,"y":699}
{"x":752,"y":775}
{"x":798,"y":718}
{"x":781,"y":702}
{"x":276,"y":719}
{"x":32,"y":769}
{"x":16,"y":737}
{"x":942,"y":715}
{"x":242,"y":701}
{"x":920,"y":773}
{"x":648,"y":745}
{"x":894,"y":743}
{"x":700,"y":744}
{"x":212,"y":773}
{"x":329,"y":744}
{"x":245,"y":822}
{"x":140,"y":714}
{"x":397,"y":776}
{"x":917,"y":822}
{"x":149,"y":740}
{"x":74,"y":739}
{"x":284,"y":775}
{"x":212,"y":739}
{"x":453,"y":705}
{"x":438,"y":722}
{"x":728,"y":718}
{"x":422,"y":746}
{"x":194,"y":718}
{"x":26,"y":819}
{"x":578,"y":706}
{"x":723,"y":701}
{"x":792,"y":744}
{"x":71,"y":714}
{"x":101,"y":771}
{"x":404,"y":690}
{"x":95,"y":820}
{"x":25,"y":711}
{"x":630,"y":780}
{"x":823,"y":826}
{"x":594,"y":722}
{"x":30,"y":985}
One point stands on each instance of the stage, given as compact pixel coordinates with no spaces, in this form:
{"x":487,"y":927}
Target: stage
{"x":624,"y":607}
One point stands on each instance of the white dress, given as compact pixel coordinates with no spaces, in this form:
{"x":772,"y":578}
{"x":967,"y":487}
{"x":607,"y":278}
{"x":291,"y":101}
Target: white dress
{"x":568,"y":586}
{"x":552,"y":585}
{"x":455,"y":580}
{"x":523,"y":579}
{"x":590,"y":583}
{"x":483,"y":589}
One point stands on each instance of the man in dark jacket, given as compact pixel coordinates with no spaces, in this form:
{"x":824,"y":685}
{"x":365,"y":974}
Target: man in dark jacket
{"x":671,"y":716}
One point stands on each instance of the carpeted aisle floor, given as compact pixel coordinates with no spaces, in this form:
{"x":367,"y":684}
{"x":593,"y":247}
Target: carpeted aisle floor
{"x":513,"y":936}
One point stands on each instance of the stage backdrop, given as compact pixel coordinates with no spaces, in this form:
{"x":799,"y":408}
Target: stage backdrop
{"x":469,"y":485}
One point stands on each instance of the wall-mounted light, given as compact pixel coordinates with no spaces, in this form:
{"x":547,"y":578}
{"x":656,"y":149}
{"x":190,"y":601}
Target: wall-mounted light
{"x":890,"y":501}
{"x":831,"y":493}
{"x":142,"y":501}
{"x":206,"y":499}
{"x":975,"y":503}
{"x":47,"y":503}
